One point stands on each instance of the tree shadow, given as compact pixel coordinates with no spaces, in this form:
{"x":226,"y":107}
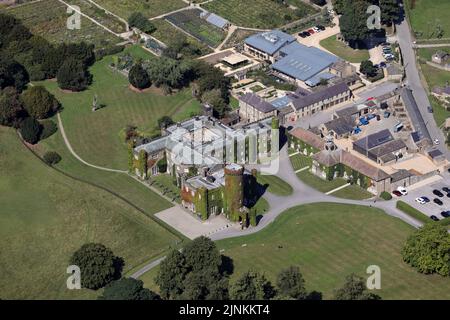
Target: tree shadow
{"x":118,"y":265}
{"x":227,"y":265}
{"x":314,"y":295}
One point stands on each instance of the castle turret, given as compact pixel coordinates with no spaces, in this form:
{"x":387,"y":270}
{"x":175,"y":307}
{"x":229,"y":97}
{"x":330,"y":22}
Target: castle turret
{"x":234,"y":190}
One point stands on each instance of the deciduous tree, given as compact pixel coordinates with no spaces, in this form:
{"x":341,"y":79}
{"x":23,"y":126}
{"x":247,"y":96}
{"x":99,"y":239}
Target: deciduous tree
{"x":127,"y":289}
{"x":428,"y":250}
{"x":355,"y":288}
{"x":40,"y":103}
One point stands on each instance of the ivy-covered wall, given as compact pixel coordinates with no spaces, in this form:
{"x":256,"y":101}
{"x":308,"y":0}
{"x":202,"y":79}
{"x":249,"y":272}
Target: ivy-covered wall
{"x":142,"y":164}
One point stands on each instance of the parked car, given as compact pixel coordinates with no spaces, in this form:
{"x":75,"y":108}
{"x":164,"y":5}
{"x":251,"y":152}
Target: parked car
{"x":302,"y":35}
{"x":446,"y":189}
{"x":434,"y":218}
{"x":306,"y":33}
{"x":383,"y":64}
{"x":438,"y":193}
{"x":436,"y":141}
{"x":420,"y":201}
{"x":320,"y":27}
{"x":430,"y":109}
{"x":426,"y":199}
{"x":387,"y":114}
{"x":311,"y":31}
{"x":445,"y":214}
{"x":316,"y":30}
{"x":438,"y":201}
{"x":396,"y":193}
{"x":402,"y":190}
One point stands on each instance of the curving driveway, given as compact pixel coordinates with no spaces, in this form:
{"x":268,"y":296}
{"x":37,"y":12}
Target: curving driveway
{"x":304,"y":194}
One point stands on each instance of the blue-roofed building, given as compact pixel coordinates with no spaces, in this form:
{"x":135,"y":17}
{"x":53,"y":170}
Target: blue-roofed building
{"x":298,"y":63}
{"x":266,"y":45}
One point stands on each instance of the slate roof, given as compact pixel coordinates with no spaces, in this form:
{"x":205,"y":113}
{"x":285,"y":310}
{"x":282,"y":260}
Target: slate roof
{"x":374,"y":140}
{"x":257,"y":102}
{"x":400,"y":175}
{"x":319,"y":96}
{"x":363,"y":167}
{"x":308,"y":137}
{"x":414,"y":113}
{"x":327,"y":158}
{"x":340,"y":126}
{"x":302,"y":62}
{"x":435,"y":153}
{"x":387,"y":148}
{"x":269,"y":42}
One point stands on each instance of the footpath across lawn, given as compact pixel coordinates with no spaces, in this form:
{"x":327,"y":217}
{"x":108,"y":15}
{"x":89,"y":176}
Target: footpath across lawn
{"x":97,"y":137}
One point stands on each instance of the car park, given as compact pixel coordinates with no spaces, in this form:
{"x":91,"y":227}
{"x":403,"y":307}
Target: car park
{"x":438,"y":201}
{"x":426,"y":199}
{"x":445,"y":214}
{"x":434,"y":218}
{"x":438,"y":193}
{"x":420,"y":200}
{"x":396,"y":193}
{"x":402,"y":190}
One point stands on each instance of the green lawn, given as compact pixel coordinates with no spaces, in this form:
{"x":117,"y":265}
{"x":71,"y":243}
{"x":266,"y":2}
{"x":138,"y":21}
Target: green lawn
{"x":435,"y":76}
{"x":48,"y":19}
{"x":353,"y":192}
{"x":318,"y":183}
{"x":439,"y":112}
{"x":427,"y":15}
{"x":167,"y":33}
{"x":164,"y":183}
{"x":264,"y":14}
{"x":153,"y":8}
{"x":343,"y":51}
{"x":330,"y":241}
{"x":275,"y":185}
{"x":300,"y":161}
{"x":45,"y":216}
{"x":98,"y":136}
{"x":427,"y":53}
{"x":138,"y":52}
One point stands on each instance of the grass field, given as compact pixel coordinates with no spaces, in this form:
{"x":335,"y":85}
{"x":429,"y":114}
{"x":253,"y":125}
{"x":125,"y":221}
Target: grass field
{"x":264,"y":14}
{"x":330,"y":241}
{"x":166,"y":33}
{"x":276,"y":185}
{"x":300,"y":161}
{"x":353,"y":192}
{"x":45,"y":216}
{"x":427,"y":53}
{"x":109,"y":21}
{"x":434,"y":76}
{"x":153,"y":8}
{"x":318,"y":183}
{"x":48,"y":19}
{"x":343,"y":51}
{"x":427,"y":15}
{"x":164,"y":183}
{"x":98,"y":136}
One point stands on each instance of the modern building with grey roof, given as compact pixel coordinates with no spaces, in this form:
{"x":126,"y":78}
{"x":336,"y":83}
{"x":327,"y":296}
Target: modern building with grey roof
{"x":266,"y":45}
{"x":414,"y":113}
{"x":299,"y":63}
